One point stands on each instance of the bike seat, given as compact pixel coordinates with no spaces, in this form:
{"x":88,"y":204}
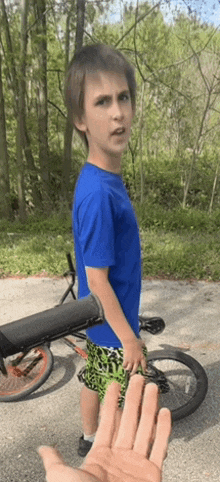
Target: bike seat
{"x":153,"y":325}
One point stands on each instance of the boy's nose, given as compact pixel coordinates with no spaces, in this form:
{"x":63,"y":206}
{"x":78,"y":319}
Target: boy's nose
{"x":117,"y":111}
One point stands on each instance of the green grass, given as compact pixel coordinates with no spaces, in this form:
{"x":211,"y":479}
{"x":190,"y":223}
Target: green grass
{"x":180,"y":256}
{"x":177,"y":245}
{"x":37,"y":247}
{"x":31,"y":255}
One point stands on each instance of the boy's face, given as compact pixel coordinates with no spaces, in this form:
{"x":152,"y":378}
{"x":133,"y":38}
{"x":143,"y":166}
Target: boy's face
{"x":107,"y":107}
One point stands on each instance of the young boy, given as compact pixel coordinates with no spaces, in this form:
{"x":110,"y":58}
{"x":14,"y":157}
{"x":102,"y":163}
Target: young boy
{"x":100,"y":97}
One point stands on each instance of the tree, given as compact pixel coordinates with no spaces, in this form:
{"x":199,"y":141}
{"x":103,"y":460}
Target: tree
{"x":203,"y":93}
{"x":5,"y":209}
{"x":41,"y":71}
{"x":17,"y":85}
{"x":21,"y":109}
{"x":68,"y":135}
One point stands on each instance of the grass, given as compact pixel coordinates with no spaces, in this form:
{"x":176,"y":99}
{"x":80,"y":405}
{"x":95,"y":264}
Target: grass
{"x":180,"y":256}
{"x":31,"y":255}
{"x":37,"y":247}
{"x":177,"y":245}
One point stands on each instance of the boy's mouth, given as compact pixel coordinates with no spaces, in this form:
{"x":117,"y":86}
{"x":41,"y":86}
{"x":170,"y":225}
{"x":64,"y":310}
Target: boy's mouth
{"x":119,"y":131}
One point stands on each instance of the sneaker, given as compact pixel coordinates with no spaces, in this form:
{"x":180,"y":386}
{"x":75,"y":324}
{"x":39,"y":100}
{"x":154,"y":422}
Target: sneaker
{"x":84,"y":447}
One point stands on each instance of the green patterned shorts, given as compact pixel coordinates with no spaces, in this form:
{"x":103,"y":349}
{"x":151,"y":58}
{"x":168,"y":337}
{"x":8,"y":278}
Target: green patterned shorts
{"x":103,"y":366}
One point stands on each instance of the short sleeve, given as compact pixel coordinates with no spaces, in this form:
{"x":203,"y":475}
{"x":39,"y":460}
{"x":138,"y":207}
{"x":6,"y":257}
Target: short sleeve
{"x":96,"y":221}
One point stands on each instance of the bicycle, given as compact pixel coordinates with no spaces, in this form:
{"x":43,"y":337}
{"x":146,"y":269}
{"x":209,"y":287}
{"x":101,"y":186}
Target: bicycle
{"x":25,"y":346}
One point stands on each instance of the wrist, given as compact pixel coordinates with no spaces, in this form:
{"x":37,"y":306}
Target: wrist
{"x":129,"y":340}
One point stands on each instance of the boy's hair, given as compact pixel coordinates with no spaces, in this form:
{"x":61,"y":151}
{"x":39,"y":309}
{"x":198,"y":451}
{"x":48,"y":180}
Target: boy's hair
{"x":90,"y":60}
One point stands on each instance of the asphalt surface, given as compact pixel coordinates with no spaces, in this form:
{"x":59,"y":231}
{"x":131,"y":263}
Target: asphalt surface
{"x":51,"y":415}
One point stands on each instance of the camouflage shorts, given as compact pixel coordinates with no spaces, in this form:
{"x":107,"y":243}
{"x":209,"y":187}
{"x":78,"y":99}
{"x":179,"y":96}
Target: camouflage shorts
{"x":103,"y":366}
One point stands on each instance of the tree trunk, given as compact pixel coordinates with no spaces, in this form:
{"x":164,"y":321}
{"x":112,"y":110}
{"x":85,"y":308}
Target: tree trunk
{"x":42,"y":103}
{"x":17,"y":94}
{"x":37,"y":198}
{"x":80,"y":24}
{"x":5,"y":208}
{"x":141,"y":143}
{"x":68,"y":135}
{"x":187,"y":183}
{"x":197,"y":148}
{"x":21,"y":110}
{"x":14,"y":84}
{"x":213,"y":188}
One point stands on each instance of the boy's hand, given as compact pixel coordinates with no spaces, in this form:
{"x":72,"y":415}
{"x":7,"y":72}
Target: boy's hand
{"x":133,"y":356}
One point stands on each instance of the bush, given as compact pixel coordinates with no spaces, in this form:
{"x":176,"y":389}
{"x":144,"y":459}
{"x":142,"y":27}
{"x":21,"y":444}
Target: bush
{"x":153,"y":215}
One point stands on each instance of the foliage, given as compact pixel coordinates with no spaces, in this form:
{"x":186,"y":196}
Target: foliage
{"x":179,"y":64}
{"x":175,"y":244}
{"x":177,"y":220}
{"x":38,"y":246}
{"x":181,"y":256}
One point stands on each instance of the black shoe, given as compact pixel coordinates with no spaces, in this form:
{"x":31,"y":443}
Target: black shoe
{"x":84,"y":447}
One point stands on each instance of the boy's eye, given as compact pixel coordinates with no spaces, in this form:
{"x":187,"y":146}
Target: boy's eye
{"x":101,"y":102}
{"x":123,"y":97}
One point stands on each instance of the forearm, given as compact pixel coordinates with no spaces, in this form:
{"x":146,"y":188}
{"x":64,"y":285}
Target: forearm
{"x":113,"y":311}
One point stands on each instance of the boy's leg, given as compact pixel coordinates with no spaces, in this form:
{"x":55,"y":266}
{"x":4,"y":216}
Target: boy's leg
{"x":89,"y":407}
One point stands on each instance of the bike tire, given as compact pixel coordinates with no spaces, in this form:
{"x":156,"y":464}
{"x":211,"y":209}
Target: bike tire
{"x":186,"y":381}
{"x":17,"y":386}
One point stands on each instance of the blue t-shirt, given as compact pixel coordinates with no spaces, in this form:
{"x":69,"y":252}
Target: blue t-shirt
{"x":106,"y":234}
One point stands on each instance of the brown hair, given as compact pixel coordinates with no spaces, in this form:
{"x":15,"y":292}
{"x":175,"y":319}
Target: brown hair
{"x":93,"y":59}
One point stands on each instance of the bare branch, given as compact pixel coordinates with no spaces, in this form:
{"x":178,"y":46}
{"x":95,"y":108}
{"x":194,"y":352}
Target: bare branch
{"x":215,"y":110}
{"x":157,"y":78}
{"x":135,"y":47}
{"x":211,"y":129}
{"x":56,"y":107}
{"x":37,"y":20}
{"x":137,"y":21}
{"x":200,"y":68}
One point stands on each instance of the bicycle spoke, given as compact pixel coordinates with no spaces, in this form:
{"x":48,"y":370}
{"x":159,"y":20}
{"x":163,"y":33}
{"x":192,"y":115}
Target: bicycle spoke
{"x":181,"y":381}
{"x":25,"y":373}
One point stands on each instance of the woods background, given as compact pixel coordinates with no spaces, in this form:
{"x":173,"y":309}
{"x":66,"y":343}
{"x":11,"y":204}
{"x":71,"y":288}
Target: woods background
{"x":172,"y":160}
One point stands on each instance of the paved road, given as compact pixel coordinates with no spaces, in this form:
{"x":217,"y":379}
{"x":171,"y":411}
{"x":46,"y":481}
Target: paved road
{"x":51,"y":415}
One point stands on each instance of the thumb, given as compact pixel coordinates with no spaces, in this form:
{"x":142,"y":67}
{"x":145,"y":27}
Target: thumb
{"x":50,"y":457}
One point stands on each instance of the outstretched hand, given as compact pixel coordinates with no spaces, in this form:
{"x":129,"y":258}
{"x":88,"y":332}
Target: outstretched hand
{"x":134,"y":456}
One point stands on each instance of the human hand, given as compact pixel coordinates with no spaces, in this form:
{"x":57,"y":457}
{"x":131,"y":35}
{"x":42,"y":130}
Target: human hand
{"x":131,"y":457}
{"x":133,"y":356}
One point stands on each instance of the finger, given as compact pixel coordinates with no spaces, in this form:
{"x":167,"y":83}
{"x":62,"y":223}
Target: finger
{"x":134,"y":369}
{"x":144,"y":365}
{"x":147,"y":420}
{"x":130,"y":415}
{"x":163,"y":430}
{"x":105,"y":432}
{"x":50,"y":457}
{"x":127,"y":366}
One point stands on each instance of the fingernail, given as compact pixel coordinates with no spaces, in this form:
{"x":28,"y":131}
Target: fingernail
{"x":40,"y":447}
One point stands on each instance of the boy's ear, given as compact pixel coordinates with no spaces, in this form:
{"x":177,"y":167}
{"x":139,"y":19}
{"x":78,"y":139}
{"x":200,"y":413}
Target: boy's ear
{"x":79,"y":123}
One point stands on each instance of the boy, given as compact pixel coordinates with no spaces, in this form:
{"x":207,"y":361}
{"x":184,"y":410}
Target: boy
{"x":100,"y":97}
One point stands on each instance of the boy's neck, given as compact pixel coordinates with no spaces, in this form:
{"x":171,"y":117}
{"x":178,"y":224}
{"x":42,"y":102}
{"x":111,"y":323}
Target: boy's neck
{"x":114,"y":167}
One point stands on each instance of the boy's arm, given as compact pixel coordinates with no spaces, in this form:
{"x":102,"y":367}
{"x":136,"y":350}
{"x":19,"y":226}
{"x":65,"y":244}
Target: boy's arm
{"x":132,"y":346}
{"x":99,"y":284}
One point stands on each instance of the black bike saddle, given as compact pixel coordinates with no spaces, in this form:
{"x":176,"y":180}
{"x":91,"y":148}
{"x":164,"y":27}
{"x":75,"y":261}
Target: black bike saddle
{"x":153,"y":325}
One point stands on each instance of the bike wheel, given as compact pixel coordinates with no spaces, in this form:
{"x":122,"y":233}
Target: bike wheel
{"x":25,"y":373}
{"x":182,"y":381}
